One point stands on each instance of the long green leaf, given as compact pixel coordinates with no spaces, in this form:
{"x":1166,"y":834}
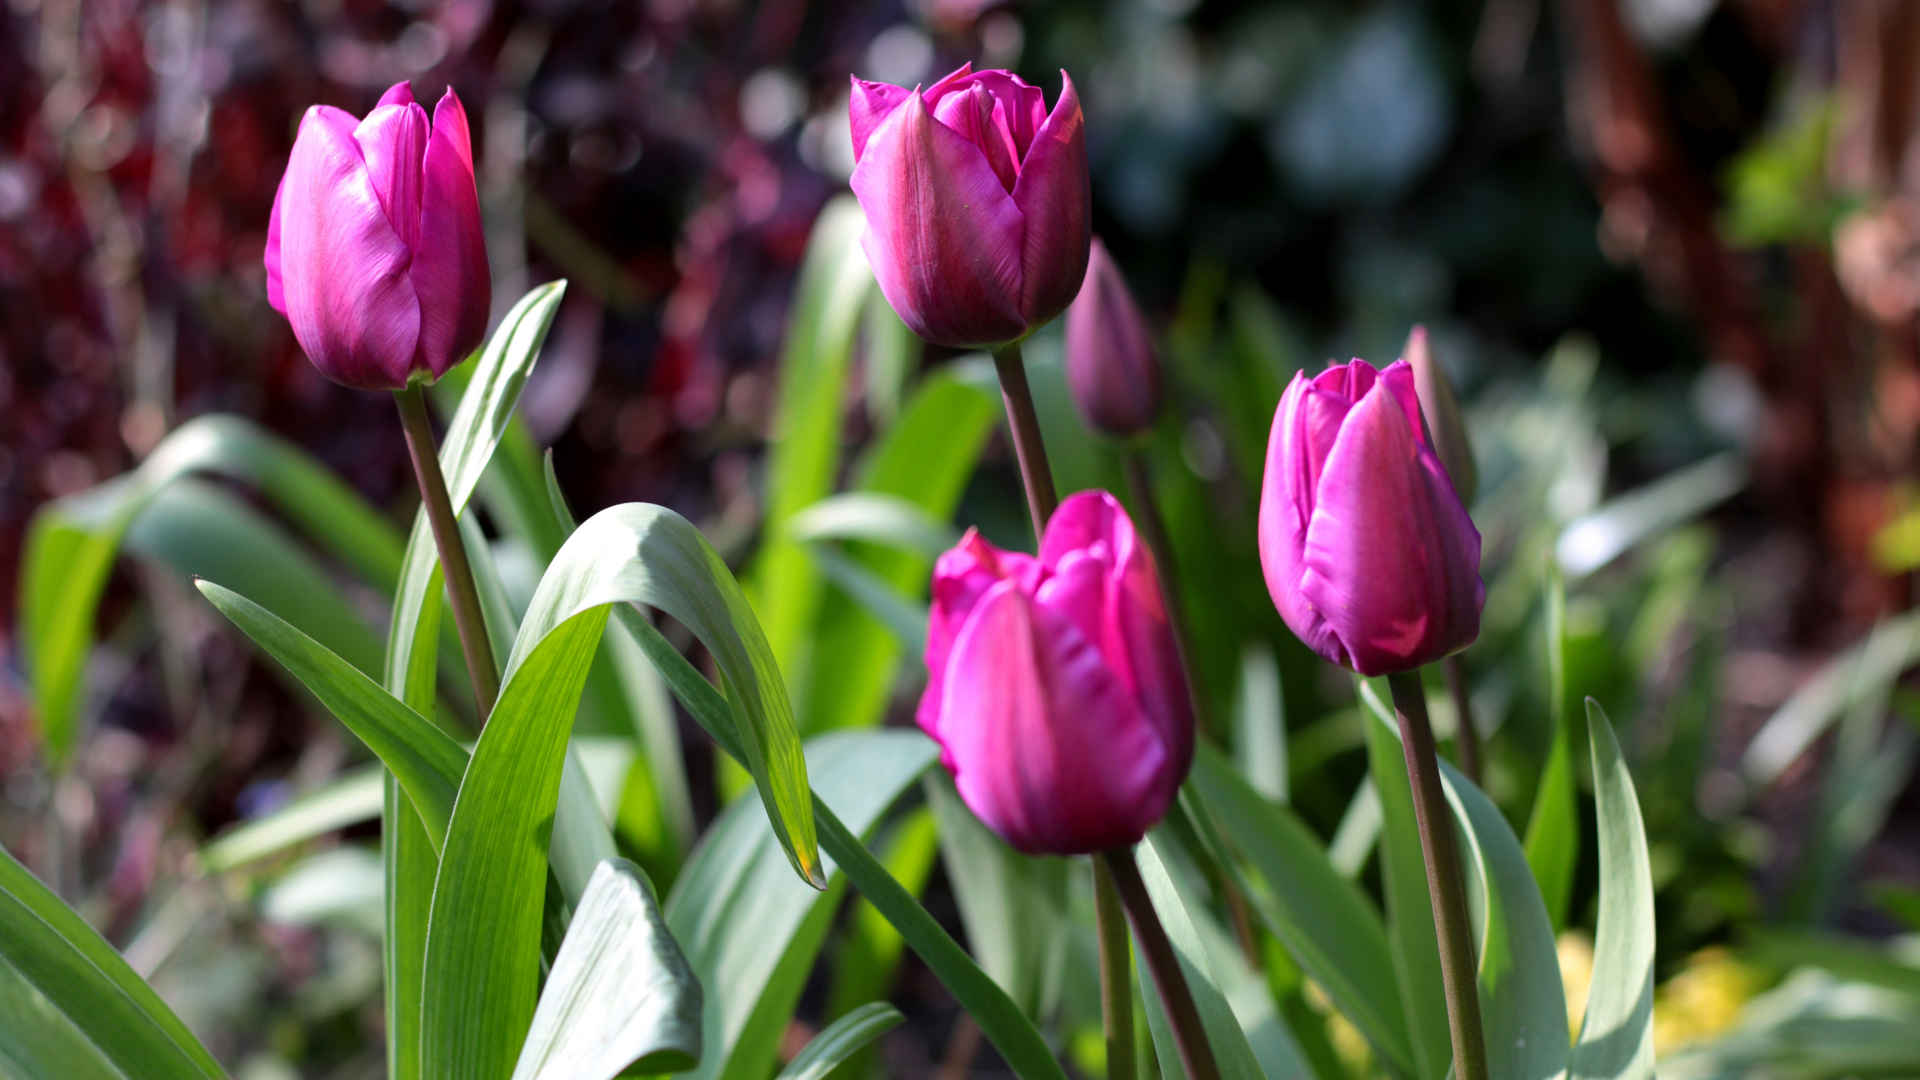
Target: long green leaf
{"x":482,"y":944}
{"x":834,"y":282}
{"x":85,"y":980}
{"x":1403,"y":872}
{"x":841,"y":1040}
{"x":1326,"y":922}
{"x":426,"y":760}
{"x":1616,"y":1037}
{"x":38,"y":1042}
{"x":1232,"y":1051}
{"x":72,"y":543}
{"x":1553,"y":832}
{"x":747,"y":926}
{"x":621,"y":994}
{"x":347,"y":800}
{"x":1004,"y":1025}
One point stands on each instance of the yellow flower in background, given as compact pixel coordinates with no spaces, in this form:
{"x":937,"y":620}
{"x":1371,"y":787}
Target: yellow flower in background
{"x":1703,"y":1000}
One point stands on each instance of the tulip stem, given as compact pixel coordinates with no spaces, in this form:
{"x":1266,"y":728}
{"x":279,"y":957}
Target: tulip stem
{"x":1467,"y":736}
{"x":458,"y":572}
{"x":1028,"y":448}
{"x":1445,"y":887}
{"x":1189,"y":1035}
{"x":1116,"y":981}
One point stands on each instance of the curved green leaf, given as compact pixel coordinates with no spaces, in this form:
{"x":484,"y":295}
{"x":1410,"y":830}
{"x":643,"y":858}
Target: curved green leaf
{"x":347,"y":800}
{"x":72,"y":543}
{"x":483,"y":932}
{"x":38,"y":1042}
{"x":841,"y":1040}
{"x":1616,"y":1037}
{"x":86,"y":981}
{"x":1553,"y":831}
{"x":620,"y":994}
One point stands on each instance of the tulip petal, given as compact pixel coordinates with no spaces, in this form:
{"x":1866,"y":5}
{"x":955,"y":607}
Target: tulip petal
{"x":961,"y":576}
{"x":1286,"y":505}
{"x":1046,"y":747}
{"x":943,"y":236}
{"x":276,"y":291}
{"x":400,"y":93}
{"x":1053,"y":197}
{"x":343,"y":267}
{"x":970,"y":115}
{"x":868,"y":107}
{"x":1398,"y":379}
{"x":393,"y":140}
{"x":1387,"y":553}
{"x":1024,"y":106}
{"x":450,"y":272}
{"x":1110,"y":361}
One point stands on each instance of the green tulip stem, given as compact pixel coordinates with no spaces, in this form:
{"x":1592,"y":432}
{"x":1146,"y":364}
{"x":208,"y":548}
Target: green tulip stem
{"x":1189,"y":1034}
{"x":474,"y":645}
{"x":1467,"y":736}
{"x":1116,"y":985}
{"x":1445,"y":887}
{"x":1028,"y":448}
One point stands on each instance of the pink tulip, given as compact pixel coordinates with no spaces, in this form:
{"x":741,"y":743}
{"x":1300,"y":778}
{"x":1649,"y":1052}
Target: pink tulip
{"x":1054,"y":684}
{"x":1369,"y":554}
{"x":1111,"y":368}
{"x":375,"y":252}
{"x":976,"y":199}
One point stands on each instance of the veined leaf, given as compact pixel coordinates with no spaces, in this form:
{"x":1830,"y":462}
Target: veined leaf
{"x":1553,"y":832}
{"x":620,"y":994}
{"x":1329,"y":926}
{"x":1616,"y":1037}
{"x":53,"y":950}
{"x":482,"y":944}
{"x":38,"y":1041}
{"x":841,"y":1040}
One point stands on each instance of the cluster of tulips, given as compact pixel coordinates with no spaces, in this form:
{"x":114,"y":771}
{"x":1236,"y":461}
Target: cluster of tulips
{"x":1055,"y":685}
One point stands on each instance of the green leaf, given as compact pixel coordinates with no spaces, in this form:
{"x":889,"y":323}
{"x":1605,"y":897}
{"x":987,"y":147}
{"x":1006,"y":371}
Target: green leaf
{"x":1000,"y":1020}
{"x":53,"y":950}
{"x":841,"y":1040}
{"x":1616,"y":1037}
{"x":620,"y":994}
{"x":411,"y":862}
{"x":346,"y":800}
{"x":1596,"y":539}
{"x":924,"y":460}
{"x":749,"y":929}
{"x":1403,"y":874}
{"x":427,"y":762}
{"x":1012,"y":905}
{"x":1553,"y":832}
{"x":1861,"y":672}
{"x":38,"y":1042}
{"x":1231,"y":1050}
{"x":833,"y":283}
{"x":866,"y":962}
{"x":72,"y":543}
{"x":1329,"y":926}
{"x":1522,"y":1004}
{"x":482,"y":946}
{"x":876,"y":518}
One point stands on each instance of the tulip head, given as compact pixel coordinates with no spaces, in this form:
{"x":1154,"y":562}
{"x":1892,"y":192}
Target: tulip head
{"x":977,"y":202}
{"x":1445,"y":426}
{"x":1111,"y":368}
{"x":375,"y":253}
{"x":1368,"y":553}
{"x":1054,"y":684}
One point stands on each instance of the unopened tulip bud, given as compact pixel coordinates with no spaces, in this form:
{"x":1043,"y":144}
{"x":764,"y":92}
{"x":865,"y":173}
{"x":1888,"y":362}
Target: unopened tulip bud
{"x":1368,"y":553}
{"x":375,"y":253}
{"x":977,"y":202}
{"x":1111,"y":367}
{"x":1445,"y":425}
{"x":1054,"y":684}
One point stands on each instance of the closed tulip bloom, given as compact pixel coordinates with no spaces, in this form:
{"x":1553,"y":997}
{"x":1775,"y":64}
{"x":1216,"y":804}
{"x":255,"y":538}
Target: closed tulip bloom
{"x":375,"y":252}
{"x":1445,"y":426}
{"x":1111,"y":368}
{"x":1054,"y":685}
{"x":976,"y":200}
{"x":1368,"y":553}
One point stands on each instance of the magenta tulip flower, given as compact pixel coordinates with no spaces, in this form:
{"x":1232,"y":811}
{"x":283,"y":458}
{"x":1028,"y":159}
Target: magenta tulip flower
{"x":976,"y":200}
{"x":375,"y":252}
{"x":1054,"y":685}
{"x":1111,"y":368}
{"x":1369,"y":554}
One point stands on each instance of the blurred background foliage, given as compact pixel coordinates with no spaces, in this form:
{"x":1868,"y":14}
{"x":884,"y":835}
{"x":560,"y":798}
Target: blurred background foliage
{"x":1668,"y":249}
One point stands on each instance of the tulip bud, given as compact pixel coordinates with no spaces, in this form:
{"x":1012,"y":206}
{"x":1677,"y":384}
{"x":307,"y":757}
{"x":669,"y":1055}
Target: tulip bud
{"x":977,"y":202}
{"x":1054,"y":685}
{"x":1442,"y":411}
{"x":1110,"y":363}
{"x":375,"y":253}
{"x":1368,"y":553}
